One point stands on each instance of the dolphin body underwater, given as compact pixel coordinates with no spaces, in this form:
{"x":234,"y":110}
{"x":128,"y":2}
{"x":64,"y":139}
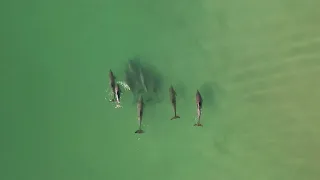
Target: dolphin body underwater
{"x":143,"y":80}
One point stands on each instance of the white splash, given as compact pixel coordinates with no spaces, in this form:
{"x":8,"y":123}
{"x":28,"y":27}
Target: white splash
{"x":124,"y":85}
{"x":110,"y":94}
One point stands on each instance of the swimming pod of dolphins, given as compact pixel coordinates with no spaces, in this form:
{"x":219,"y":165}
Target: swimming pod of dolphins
{"x":146,"y":85}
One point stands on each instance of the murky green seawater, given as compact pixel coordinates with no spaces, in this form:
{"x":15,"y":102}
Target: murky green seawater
{"x":260,"y":59}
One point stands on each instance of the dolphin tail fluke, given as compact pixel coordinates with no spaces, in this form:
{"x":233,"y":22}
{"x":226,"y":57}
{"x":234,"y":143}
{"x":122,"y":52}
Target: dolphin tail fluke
{"x":198,"y":124}
{"x":139,"y":131}
{"x":175,"y":117}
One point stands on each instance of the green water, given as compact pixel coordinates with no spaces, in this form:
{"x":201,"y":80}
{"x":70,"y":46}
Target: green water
{"x":256,"y":63}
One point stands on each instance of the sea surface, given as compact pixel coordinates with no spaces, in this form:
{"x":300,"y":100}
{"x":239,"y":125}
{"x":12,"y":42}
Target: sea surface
{"x":256,"y":64}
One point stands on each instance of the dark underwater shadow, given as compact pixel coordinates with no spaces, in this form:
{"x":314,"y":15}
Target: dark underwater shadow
{"x":180,"y":89}
{"x":207,"y":92}
{"x":145,"y":80}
